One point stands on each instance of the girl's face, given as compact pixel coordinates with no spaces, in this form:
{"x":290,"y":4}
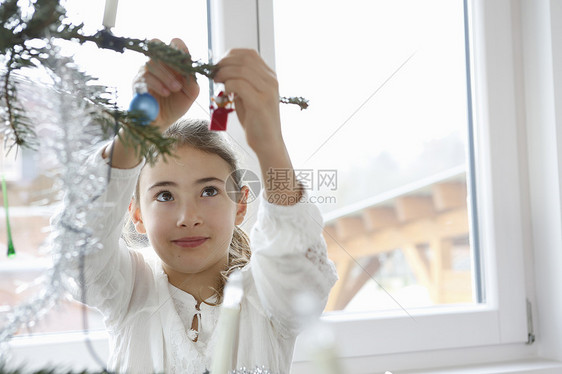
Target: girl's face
{"x":186,"y":212}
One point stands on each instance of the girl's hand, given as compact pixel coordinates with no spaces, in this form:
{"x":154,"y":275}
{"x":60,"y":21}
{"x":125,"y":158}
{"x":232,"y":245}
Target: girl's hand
{"x":175,"y":95}
{"x":174,"y":92}
{"x":256,"y":97}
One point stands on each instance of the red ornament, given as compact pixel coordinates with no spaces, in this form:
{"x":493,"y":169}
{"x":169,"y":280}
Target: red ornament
{"x":220,"y":112}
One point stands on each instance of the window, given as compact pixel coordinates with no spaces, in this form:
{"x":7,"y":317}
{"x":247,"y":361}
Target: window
{"x":32,"y":194}
{"x":388,"y":119}
{"x":371,"y":69}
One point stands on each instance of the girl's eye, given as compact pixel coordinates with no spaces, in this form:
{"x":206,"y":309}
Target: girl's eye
{"x":164,"y":196}
{"x":209,"y":191}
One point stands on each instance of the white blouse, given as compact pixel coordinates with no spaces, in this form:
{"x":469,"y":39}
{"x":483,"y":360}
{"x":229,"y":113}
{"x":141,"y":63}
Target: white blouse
{"x":148,"y":319}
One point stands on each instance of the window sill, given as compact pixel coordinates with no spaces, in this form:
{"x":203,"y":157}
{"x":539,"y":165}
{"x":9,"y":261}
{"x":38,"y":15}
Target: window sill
{"x":535,"y":366}
{"x":529,"y":366}
{"x":60,"y":350}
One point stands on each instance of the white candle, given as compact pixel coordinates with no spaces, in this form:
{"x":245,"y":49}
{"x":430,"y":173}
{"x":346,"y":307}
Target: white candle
{"x":229,"y":321}
{"x":223,"y":356}
{"x":317,"y":339}
{"x":110,"y":13}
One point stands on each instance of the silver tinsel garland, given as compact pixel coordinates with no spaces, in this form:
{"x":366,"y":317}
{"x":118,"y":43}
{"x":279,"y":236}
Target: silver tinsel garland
{"x":63,"y":116}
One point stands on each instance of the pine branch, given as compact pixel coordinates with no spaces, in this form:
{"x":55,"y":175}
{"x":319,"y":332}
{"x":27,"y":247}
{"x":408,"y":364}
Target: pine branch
{"x":148,"y":139}
{"x":21,"y":129}
{"x":177,"y":59}
{"x":47,"y":22}
{"x":300,"y":101}
{"x":10,"y":16}
{"x":48,"y":14}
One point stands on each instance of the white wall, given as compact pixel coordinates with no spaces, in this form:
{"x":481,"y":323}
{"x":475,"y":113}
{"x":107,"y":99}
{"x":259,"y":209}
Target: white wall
{"x":541,"y":22}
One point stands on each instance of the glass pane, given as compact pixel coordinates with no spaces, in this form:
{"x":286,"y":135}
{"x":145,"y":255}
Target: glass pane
{"x":31,"y":192}
{"x":384,"y":144}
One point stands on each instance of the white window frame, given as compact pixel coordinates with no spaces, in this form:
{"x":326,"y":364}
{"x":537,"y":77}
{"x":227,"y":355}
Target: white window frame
{"x":457,"y":335}
{"x":518,"y":111}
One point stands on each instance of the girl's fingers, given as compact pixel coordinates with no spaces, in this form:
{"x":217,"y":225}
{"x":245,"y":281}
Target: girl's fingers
{"x":155,"y":85}
{"x":253,"y":72}
{"x":166,"y":75}
{"x":244,"y":91}
{"x":185,"y":81}
{"x":247,"y":76}
{"x":227,"y":73}
{"x":249,"y":97}
{"x":152,"y":83}
{"x":246,"y":57}
{"x":169,"y":79}
{"x":246,"y":64}
{"x":179,"y":44}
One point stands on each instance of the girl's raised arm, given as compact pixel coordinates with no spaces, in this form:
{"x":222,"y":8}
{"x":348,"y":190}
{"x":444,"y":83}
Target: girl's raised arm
{"x":288,"y":254}
{"x":256,"y":97}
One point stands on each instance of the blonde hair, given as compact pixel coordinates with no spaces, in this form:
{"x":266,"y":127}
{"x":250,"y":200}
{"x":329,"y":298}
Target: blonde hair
{"x":196,"y":134}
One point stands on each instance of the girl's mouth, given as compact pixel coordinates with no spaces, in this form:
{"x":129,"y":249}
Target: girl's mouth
{"x":190,"y":242}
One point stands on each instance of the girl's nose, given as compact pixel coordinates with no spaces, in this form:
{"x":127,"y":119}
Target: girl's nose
{"x":189,"y":217}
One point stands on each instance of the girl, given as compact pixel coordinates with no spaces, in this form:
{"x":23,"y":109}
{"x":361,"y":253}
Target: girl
{"x":161,"y":315}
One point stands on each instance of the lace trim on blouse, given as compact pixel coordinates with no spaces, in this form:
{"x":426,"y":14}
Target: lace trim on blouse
{"x":191,"y":350}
